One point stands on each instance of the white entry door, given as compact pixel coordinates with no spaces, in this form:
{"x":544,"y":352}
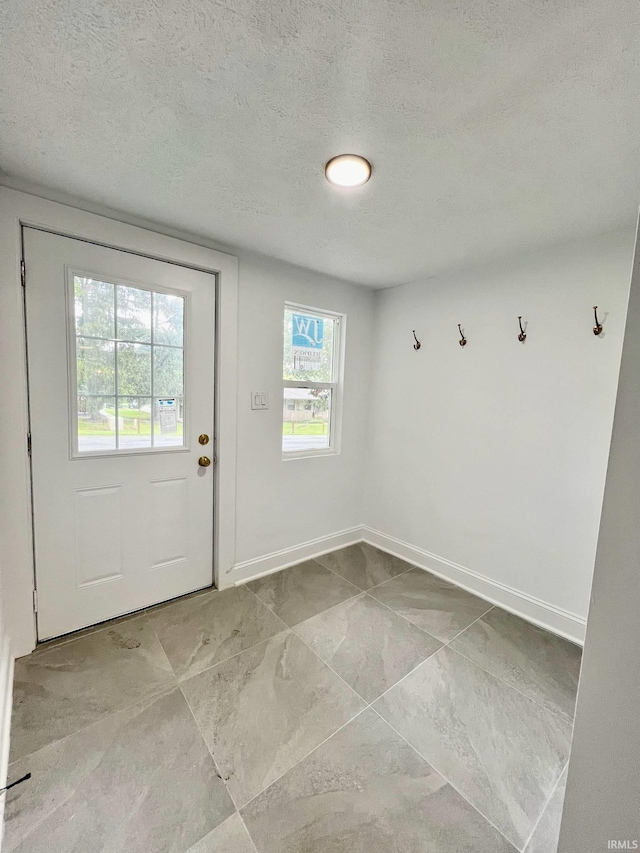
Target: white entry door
{"x":121,"y":389}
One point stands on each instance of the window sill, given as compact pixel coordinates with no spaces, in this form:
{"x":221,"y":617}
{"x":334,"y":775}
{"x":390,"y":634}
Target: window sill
{"x":309,"y":454}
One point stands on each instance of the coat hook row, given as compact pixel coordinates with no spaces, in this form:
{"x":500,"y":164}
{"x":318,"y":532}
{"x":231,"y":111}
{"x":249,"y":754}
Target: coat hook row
{"x":522,"y":334}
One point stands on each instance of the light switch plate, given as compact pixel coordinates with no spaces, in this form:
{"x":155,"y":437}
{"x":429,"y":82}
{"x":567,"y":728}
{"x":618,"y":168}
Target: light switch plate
{"x":259,"y":400}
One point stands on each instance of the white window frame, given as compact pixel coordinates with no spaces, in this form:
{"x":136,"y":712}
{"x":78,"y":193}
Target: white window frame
{"x":336,"y":385}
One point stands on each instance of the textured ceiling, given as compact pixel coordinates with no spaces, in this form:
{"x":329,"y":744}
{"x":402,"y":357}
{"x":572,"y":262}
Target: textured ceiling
{"x":493,"y":126}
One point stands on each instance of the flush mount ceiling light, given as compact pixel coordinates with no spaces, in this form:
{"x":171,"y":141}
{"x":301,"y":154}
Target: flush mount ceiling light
{"x":348,"y":170}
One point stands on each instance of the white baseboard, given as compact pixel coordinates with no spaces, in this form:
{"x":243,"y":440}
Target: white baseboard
{"x":554,"y":619}
{"x":6,"y":696}
{"x":274,"y":562}
{"x":548,"y":616}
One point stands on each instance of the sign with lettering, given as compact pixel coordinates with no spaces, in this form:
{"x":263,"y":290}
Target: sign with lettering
{"x":168,"y":412}
{"x":307,"y":332}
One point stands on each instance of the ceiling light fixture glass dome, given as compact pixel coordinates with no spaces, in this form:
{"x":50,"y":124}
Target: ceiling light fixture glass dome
{"x":348,"y":170}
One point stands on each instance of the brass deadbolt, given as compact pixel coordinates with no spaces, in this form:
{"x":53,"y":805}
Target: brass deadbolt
{"x":203,"y":439}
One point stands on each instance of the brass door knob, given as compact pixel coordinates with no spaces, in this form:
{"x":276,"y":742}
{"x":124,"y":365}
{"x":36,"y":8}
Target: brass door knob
{"x":203,"y":439}
{"x":204,"y":462}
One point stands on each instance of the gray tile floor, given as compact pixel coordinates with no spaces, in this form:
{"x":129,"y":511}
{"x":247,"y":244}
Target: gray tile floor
{"x":351,"y":704}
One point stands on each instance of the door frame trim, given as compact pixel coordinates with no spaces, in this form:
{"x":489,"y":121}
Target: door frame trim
{"x":17,"y":210}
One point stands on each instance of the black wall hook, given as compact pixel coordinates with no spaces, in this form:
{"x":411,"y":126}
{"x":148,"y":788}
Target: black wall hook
{"x":597,"y":329}
{"x":17,"y":782}
{"x":463,"y":340}
{"x":522,"y":337}
{"x":417,"y":344}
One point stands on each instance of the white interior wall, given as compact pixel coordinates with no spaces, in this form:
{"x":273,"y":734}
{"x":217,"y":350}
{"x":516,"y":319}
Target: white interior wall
{"x":602,"y":803}
{"x":489,"y":461}
{"x":281,"y":504}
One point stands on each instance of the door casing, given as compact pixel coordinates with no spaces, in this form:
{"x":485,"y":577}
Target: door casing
{"x":18,"y":209}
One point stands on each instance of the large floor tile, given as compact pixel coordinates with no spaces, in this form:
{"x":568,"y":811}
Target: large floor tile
{"x":230,"y":837}
{"x":502,"y":751}
{"x":140,"y":780}
{"x":366,"y":791}
{"x":364,"y":565}
{"x":297,"y":593}
{"x":543,"y":666}
{"x":547,"y":832}
{"x":61,"y":690}
{"x":207,"y":629}
{"x":367,"y":644}
{"x":265,"y":709}
{"x":431,"y":603}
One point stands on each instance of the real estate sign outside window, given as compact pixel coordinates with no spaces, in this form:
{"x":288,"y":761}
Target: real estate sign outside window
{"x":311,"y":376}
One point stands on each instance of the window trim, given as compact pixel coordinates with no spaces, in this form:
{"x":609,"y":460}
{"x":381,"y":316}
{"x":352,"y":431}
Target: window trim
{"x":336,"y":385}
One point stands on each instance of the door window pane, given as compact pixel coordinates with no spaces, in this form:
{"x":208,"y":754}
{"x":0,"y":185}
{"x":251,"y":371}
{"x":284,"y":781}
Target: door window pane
{"x":134,"y":369}
{"x":306,"y":419}
{"x":96,"y":423}
{"x":94,"y":307}
{"x":129,"y":364}
{"x":95,"y":365}
{"x":168,"y":371}
{"x":134,"y":314}
{"x":134,"y":422}
{"x":168,"y":319}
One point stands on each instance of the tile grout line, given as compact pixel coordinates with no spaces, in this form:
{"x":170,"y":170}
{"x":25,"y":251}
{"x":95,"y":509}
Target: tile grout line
{"x":546,"y":806}
{"x":220,"y":776}
{"x":488,"y":671}
{"x":246,"y":829}
{"x":147,"y":699}
{"x":448,"y":782}
{"x":433,"y":654}
{"x":470,"y":625}
{"x":304,"y":757}
{"x":107,"y":714}
{"x":406,"y":618}
{"x":155,"y":634}
{"x":234,"y":655}
{"x":517,"y":690}
{"x":204,"y":740}
{"x":291,"y":627}
{"x":459,"y":634}
{"x":333,"y":572}
{"x":401,"y":615}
